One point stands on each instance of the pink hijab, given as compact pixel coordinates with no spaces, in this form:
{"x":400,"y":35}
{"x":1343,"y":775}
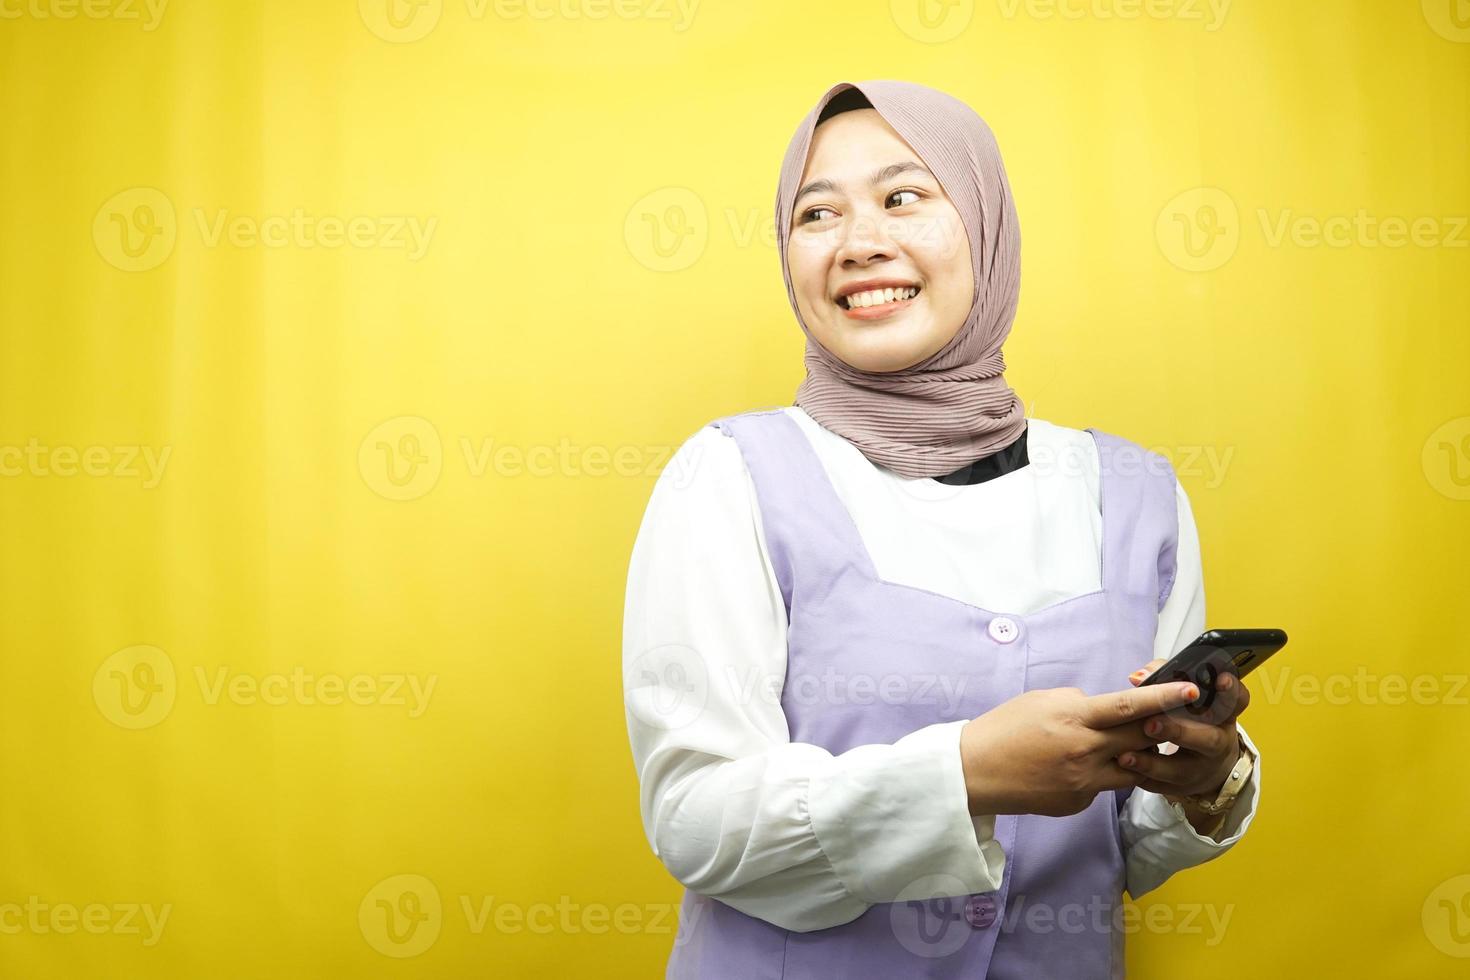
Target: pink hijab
{"x":953,"y":407}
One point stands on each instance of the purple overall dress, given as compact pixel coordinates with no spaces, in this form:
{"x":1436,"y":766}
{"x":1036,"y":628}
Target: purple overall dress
{"x":1056,"y":914}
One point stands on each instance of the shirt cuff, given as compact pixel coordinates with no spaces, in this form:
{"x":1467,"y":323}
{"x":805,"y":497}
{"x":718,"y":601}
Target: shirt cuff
{"x":895,"y":823}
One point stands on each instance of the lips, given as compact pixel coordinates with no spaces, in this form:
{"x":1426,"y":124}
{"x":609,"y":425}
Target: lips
{"x":871,"y":298}
{"x":841,"y":298}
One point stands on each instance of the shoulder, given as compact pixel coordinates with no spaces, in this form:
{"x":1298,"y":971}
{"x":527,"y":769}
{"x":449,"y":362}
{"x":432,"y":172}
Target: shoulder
{"x":1122,"y":456}
{"x":704,"y":460}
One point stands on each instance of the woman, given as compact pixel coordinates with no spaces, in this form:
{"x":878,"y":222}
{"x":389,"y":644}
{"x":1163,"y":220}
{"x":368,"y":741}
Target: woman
{"x":875,"y":642}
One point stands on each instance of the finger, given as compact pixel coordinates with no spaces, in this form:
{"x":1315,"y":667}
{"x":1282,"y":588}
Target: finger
{"x":1114,"y":776}
{"x":1234,"y":688}
{"x":1170,"y":770}
{"x":1138,"y":676}
{"x":1195,"y":736}
{"x":1113,"y":742}
{"x":1121,"y":707}
{"x":1223,"y":699}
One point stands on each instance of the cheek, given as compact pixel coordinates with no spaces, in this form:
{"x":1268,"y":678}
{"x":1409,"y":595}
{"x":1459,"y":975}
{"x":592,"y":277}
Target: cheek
{"x":948,"y":265}
{"x":808,"y":265}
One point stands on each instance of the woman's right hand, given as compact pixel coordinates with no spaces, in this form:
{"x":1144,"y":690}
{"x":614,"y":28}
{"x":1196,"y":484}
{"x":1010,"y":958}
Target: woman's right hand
{"x":1051,"y":751}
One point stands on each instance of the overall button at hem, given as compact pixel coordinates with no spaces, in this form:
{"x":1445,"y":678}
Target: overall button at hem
{"x":1004,"y":629}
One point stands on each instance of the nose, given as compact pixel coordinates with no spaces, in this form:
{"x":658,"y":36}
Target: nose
{"x":866,"y":238}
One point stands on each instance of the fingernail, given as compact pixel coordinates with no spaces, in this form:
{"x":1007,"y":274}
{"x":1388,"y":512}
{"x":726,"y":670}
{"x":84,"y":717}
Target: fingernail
{"x":1127,"y":760}
{"x":1225,"y":681}
{"x":1138,"y":674}
{"x":1152,"y":727}
{"x":1191,"y":692}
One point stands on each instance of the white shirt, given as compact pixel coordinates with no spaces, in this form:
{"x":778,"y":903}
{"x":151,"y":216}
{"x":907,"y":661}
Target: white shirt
{"x":786,"y":831}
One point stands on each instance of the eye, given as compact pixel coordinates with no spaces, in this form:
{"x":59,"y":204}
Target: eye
{"x":811,"y":214}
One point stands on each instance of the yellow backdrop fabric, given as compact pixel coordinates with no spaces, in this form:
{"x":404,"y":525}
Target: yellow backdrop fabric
{"x":341,"y":344}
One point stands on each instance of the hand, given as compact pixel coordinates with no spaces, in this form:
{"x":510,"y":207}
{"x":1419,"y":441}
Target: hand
{"x":1206,"y":751}
{"x":1051,"y":751}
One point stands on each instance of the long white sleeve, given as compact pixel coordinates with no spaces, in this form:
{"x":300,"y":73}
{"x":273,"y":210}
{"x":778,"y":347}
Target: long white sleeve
{"x":1158,"y":838}
{"x":786,"y":832}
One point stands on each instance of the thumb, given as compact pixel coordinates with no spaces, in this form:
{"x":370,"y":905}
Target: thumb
{"x":1140,"y":674}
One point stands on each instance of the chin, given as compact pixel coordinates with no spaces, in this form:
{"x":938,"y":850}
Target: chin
{"x":882,"y":354}
{"x":881,"y":361}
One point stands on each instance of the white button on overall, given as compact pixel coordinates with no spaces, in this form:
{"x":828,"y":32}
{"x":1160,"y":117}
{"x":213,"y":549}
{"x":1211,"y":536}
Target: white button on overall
{"x":1003,"y":629}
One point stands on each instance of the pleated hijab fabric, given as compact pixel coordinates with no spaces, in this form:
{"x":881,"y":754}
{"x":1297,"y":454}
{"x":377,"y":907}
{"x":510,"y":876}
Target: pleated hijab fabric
{"x":953,"y":407}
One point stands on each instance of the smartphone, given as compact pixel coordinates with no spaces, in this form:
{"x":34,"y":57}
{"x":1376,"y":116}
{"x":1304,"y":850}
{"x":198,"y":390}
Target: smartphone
{"x":1218,"y":652}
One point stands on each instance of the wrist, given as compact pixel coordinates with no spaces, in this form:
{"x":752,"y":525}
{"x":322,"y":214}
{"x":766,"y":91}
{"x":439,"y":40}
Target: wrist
{"x":973,"y":770}
{"x":1207,"y":812}
{"x":1194,"y":801}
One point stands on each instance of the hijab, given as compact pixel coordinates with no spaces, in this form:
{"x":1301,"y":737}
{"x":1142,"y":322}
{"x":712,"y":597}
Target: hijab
{"x":953,"y":407}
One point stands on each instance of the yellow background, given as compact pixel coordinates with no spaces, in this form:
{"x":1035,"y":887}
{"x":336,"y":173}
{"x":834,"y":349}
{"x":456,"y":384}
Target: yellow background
{"x":547,"y":150}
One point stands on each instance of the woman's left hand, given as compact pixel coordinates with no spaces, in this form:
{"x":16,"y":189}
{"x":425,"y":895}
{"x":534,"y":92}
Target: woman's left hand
{"x":1206,"y":754}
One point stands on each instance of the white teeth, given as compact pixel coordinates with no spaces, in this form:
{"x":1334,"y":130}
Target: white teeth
{"x":877,"y":297}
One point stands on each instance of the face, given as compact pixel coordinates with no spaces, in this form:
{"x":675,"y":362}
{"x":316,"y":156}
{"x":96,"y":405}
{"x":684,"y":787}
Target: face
{"x":900,"y":232}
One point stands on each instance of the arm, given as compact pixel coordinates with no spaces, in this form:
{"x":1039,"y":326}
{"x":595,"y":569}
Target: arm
{"x":783,"y":831}
{"x":1158,"y":836}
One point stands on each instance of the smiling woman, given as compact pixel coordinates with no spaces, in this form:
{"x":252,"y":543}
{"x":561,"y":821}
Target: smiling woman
{"x":928,"y":209}
{"x":898,"y":714}
{"x":896,"y":220}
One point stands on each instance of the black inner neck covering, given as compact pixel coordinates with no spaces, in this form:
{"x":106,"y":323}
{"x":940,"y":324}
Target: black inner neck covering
{"x":998,"y":463}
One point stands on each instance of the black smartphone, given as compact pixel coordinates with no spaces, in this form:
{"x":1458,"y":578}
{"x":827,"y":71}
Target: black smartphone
{"x":1217,"y":652}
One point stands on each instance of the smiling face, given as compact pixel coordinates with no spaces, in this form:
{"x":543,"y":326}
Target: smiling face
{"x":870,"y":217}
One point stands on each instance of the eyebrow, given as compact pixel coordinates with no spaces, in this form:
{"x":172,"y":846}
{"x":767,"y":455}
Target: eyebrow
{"x":879,"y":176}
